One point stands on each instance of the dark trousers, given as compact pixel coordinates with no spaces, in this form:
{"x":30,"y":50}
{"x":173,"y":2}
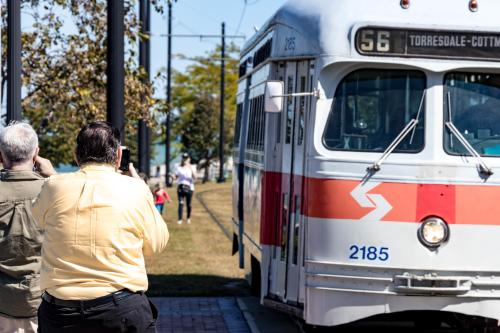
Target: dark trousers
{"x":184,"y":195}
{"x":132,"y":313}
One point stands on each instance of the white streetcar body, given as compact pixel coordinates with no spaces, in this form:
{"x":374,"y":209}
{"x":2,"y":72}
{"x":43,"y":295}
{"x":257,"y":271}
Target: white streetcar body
{"x":336,"y":242}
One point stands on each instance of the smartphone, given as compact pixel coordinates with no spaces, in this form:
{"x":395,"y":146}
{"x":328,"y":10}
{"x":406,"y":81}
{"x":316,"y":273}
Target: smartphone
{"x":125,"y":159}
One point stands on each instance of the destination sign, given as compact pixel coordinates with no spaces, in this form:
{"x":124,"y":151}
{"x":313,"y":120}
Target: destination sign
{"x":378,"y":41}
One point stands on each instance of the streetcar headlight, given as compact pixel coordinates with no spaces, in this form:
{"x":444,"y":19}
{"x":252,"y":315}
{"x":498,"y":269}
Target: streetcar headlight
{"x":433,"y":232}
{"x":473,"y":5}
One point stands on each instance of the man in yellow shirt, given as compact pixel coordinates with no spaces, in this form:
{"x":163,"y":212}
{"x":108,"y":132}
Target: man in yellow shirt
{"x":98,"y":225}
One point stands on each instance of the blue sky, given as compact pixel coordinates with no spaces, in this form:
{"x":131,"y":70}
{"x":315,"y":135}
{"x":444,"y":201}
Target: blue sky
{"x":205,"y":17}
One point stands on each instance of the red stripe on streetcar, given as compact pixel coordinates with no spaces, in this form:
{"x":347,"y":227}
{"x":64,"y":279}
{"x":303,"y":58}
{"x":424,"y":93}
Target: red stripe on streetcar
{"x":270,"y":214}
{"x":456,"y":204}
{"x":403,"y":202}
{"x":436,"y":200}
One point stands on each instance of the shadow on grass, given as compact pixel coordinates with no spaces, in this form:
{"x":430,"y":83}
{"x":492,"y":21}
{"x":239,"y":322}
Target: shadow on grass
{"x":196,"y":285}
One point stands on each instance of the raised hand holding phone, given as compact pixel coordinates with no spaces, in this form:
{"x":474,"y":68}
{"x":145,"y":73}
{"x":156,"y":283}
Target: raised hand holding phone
{"x":125,"y":161}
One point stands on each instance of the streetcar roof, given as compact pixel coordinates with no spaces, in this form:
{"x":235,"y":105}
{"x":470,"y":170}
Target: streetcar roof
{"x":326,"y":27}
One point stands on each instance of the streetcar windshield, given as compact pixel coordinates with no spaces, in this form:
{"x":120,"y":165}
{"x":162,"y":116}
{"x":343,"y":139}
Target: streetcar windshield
{"x":472,"y":104}
{"x":371,"y":107}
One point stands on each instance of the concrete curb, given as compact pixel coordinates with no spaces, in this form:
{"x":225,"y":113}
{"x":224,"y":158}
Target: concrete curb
{"x":248,"y":316}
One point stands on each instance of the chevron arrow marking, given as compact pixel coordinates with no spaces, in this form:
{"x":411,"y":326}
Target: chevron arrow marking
{"x":365,"y":200}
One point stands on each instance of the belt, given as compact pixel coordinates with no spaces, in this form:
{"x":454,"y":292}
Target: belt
{"x":87,"y":303}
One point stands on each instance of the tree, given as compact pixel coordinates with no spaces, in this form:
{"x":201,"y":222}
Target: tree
{"x":196,"y":98}
{"x":198,"y":127}
{"x":64,"y":73}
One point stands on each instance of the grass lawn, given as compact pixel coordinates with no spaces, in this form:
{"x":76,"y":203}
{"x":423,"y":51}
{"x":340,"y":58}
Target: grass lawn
{"x":198,"y":261}
{"x":214,"y":199}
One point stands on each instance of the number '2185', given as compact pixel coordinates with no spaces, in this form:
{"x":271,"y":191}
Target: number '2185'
{"x":369,"y":253}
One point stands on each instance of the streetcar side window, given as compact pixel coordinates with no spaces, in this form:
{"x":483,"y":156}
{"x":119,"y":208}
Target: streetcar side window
{"x":256,"y":124}
{"x":289,"y":109}
{"x":371,"y":107}
{"x":280,"y":69}
{"x":302,"y":110}
{"x":250,"y":126}
{"x":262,"y":123}
{"x":472,"y":103}
{"x":237,"y":127}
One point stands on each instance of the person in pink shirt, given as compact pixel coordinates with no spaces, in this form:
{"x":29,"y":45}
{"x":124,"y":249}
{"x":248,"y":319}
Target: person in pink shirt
{"x":160,"y":196}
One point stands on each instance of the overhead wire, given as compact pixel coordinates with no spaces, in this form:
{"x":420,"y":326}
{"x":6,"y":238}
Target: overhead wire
{"x":194,"y":32}
{"x":242,"y":16}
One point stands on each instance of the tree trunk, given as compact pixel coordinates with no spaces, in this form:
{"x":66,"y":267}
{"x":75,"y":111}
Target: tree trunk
{"x":207,"y":169}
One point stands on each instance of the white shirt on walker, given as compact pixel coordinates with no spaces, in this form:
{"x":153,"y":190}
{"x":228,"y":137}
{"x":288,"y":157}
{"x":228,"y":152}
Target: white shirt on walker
{"x":185,"y":176}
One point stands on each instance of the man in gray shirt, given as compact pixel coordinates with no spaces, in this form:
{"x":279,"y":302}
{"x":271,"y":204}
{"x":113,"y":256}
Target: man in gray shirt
{"x":20,"y":238}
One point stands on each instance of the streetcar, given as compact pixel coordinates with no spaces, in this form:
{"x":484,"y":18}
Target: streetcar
{"x":367,"y":160}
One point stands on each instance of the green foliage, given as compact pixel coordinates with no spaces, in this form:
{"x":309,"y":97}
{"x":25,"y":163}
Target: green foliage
{"x":196,"y":98}
{"x":199,"y":127}
{"x":64,"y":73}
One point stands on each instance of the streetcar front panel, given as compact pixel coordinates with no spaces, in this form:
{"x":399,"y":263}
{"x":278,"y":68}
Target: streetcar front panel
{"x":365,"y":233}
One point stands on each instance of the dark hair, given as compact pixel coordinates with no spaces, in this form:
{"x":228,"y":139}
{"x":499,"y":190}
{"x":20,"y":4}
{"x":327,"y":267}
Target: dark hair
{"x":97,"y":142}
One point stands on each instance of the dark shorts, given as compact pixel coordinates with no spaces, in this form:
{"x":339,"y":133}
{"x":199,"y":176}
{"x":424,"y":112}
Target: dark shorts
{"x":132,"y":313}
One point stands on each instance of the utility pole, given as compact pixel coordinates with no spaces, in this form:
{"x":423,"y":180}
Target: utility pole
{"x":169,"y":97}
{"x":222,"y":96}
{"x":115,"y":70}
{"x":13,"y":60}
{"x":145,"y":62}
{"x":223,"y":51}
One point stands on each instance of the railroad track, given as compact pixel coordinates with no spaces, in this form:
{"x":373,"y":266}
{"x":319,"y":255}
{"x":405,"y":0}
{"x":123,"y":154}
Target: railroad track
{"x":394,"y":323}
{"x":383,"y":328}
{"x":199,"y":197}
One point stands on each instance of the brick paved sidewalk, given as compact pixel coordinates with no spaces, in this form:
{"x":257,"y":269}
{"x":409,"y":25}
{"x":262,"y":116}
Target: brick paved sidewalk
{"x":199,"y":315}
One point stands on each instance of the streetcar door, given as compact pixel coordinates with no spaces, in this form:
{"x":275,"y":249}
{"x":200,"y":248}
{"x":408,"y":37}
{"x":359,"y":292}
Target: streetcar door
{"x":274,"y":162}
{"x":295,"y":225}
{"x":287,"y":72}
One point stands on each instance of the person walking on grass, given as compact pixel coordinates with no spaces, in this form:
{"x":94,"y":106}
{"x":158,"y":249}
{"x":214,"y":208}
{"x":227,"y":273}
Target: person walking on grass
{"x":20,"y":237}
{"x":185,"y":176}
{"x":160,"y":196}
{"x":99,"y":226}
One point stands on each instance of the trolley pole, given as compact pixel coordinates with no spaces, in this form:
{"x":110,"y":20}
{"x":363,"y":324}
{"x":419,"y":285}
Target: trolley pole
{"x":222,"y":97}
{"x":169,"y":97}
{"x":144,"y":61}
{"x":115,"y":69}
{"x":13,"y":60}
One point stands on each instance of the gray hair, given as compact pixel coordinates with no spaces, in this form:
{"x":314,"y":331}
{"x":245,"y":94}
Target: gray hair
{"x":18,"y":142}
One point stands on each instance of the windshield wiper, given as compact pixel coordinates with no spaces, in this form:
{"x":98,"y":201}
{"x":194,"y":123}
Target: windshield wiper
{"x":483,"y":167}
{"x":411,"y":126}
